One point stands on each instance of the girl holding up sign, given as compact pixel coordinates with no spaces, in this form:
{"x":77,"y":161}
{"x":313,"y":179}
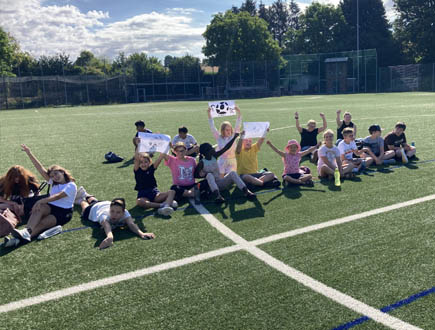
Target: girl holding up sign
{"x":227,"y":162}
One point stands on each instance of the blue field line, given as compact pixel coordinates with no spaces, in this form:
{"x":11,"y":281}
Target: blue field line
{"x":388,"y":308}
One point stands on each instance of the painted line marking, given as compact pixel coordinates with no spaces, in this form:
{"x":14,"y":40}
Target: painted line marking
{"x":331,"y":293}
{"x":241,"y":244}
{"x":388,"y":308}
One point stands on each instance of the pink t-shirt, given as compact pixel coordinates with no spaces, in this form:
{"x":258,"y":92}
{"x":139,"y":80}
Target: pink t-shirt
{"x":182,"y":170}
{"x":291,"y":163}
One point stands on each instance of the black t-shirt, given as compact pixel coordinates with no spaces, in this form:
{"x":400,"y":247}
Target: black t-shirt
{"x":145,"y":179}
{"x":309,"y":138}
{"x":341,"y":128}
{"x":392,"y":139}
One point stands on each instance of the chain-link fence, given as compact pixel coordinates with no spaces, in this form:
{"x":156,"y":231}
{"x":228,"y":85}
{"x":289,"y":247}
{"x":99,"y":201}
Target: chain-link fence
{"x":331,"y":73}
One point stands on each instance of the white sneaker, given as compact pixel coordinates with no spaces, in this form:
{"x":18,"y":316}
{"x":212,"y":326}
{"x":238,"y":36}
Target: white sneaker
{"x":165,"y":210}
{"x":21,"y":234}
{"x":174,"y":205}
{"x":10,"y":242}
{"x":404,"y":158}
{"x":80,"y":196}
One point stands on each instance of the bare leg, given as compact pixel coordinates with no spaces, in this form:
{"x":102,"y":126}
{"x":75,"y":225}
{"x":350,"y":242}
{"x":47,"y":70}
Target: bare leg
{"x":145,"y":203}
{"x":45,"y":223}
{"x":37,"y":216}
{"x":167,"y":197}
{"x":389,"y":154}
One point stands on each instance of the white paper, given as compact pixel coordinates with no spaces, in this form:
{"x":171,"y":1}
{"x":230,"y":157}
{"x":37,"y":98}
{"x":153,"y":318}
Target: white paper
{"x":153,"y":142}
{"x":222,"y":108}
{"x":255,"y":129}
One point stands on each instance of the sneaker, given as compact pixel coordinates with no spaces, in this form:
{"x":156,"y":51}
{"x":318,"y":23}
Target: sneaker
{"x":21,"y":234}
{"x":10,"y":242}
{"x":404,"y":157}
{"x":165,"y":210}
{"x":174,"y":205}
{"x":219,"y":200}
{"x":50,"y":232}
{"x":80,"y":196}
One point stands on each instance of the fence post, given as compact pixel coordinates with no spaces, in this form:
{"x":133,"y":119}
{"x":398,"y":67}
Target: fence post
{"x":21,"y":87}
{"x":64,"y":85}
{"x":365,"y":75}
{"x":6,"y":92}
{"x":152,"y":80}
{"x":43,"y":85}
{"x":377,"y":72}
{"x":200,"y":94}
{"x":433,"y":77}
{"x":391,"y":79}
{"x":87,"y":88}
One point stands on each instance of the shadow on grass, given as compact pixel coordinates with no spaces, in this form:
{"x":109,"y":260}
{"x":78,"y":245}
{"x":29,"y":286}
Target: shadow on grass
{"x":127,"y":163}
{"x":293,"y":192}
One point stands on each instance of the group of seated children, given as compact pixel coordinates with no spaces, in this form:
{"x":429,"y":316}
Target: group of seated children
{"x":344,"y":154}
{"x":219,"y":168}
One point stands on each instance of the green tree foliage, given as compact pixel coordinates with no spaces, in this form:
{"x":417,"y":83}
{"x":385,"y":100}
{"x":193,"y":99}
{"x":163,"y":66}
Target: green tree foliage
{"x":9,"y":49}
{"x":374,"y":29}
{"x":250,"y":6}
{"x":144,"y":68}
{"x":283,"y":16}
{"x":238,"y":37}
{"x":55,"y":65}
{"x":415,"y":29}
{"x":322,"y":29}
{"x":185,"y":68}
{"x":88,"y":64}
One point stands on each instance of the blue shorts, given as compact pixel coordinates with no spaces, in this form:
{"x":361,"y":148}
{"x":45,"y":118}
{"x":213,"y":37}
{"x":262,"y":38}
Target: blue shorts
{"x":149,"y":193}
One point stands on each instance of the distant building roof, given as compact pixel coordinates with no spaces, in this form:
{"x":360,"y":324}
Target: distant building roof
{"x":336,"y":59}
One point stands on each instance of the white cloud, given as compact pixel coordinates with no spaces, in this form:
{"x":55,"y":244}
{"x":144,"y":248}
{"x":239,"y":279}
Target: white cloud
{"x":47,"y":30}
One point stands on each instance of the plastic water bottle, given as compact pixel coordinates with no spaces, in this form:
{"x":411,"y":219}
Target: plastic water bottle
{"x":197,"y":194}
{"x":337,"y":177}
{"x":413,"y":143}
{"x":50,"y":232}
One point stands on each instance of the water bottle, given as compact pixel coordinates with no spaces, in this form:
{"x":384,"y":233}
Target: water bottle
{"x":413,"y":143}
{"x":50,"y":232}
{"x":337,"y":177}
{"x":197,"y":194}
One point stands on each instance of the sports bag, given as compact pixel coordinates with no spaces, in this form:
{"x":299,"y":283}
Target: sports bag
{"x":8,"y":221}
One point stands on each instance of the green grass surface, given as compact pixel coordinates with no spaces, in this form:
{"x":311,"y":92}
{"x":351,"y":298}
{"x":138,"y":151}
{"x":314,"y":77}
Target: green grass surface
{"x":379,"y":260}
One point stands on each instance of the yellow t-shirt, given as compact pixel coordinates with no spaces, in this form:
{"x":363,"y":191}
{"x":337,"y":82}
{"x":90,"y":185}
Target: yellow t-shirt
{"x":247,"y":161}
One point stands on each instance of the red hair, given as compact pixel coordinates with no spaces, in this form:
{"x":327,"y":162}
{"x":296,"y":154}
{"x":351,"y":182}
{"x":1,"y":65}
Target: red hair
{"x":25,"y":178}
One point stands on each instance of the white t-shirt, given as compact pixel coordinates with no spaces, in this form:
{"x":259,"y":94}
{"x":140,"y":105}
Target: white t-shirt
{"x":347,"y":149}
{"x":70,"y":189}
{"x":189,"y":141}
{"x":101,"y":211}
{"x":330,"y":153}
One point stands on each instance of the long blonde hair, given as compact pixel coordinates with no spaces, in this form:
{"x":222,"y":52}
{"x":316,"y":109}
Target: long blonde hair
{"x":224,"y":125}
{"x":328,"y":131}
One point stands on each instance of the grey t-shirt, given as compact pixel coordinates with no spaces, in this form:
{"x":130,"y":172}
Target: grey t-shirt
{"x":374,"y":144}
{"x":189,"y":141}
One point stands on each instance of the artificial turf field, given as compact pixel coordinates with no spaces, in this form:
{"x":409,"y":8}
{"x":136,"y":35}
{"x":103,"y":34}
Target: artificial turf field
{"x":379,"y":260}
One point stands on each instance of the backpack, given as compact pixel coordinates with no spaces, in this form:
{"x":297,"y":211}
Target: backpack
{"x":113,"y":158}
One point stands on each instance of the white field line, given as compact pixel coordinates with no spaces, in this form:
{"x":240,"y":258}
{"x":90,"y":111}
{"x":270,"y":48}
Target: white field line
{"x":241,"y":244}
{"x":337,"y":296}
{"x":114,"y":279}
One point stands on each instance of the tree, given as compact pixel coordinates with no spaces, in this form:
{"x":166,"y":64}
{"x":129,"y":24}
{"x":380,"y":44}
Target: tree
{"x":58,"y":64}
{"x":238,"y":37}
{"x":250,"y":6}
{"x":322,"y":30}
{"x":8,"y":51}
{"x":374,"y":29}
{"x":145,"y":68}
{"x":185,"y":68}
{"x":415,"y":29}
{"x":281,"y":17}
{"x":88,"y":64}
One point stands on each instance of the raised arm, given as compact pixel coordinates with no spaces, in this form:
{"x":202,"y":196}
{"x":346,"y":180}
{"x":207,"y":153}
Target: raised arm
{"x":227,"y":146}
{"x":41,"y":169}
{"x":261,"y":140}
{"x":238,"y":121}
{"x":354,"y":130}
{"x":297,"y":122}
{"x":325,"y":125}
{"x":339,"y":122}
{"x":211,"y":124}
{"x":240,"y":143}
{"x":159,"y":160}
{"x":279,"y":152}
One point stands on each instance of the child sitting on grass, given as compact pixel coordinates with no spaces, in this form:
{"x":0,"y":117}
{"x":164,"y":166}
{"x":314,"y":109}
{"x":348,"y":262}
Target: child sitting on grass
{"x":109,"y":215}
{"x":373,"y":146}
{"x":247,"y":164}
{"x":347,"y":149}
{"x":291,"y":158}
{"x":189,"y":141}
{"x":342,"y":124}
{"x":329,"y":158}
{"x":309,"y":135}
{"x":208,"y":166}
{"x":148,"y":196}
{"x":182,"y":169}
{"x":396,"y":141}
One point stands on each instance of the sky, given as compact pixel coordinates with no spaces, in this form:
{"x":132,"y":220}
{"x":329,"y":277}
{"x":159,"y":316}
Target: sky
{"x":108,"y":27}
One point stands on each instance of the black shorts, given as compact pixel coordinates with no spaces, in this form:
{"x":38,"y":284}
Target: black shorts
{"x":149,"y":194}
{"x":179,"y":190}
{"x":293,"y":175}
{"x":85,"y":214}
{"x":62,"y":215}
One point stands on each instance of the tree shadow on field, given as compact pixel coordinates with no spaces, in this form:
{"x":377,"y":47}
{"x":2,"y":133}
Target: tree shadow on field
{"x":293,"y":192}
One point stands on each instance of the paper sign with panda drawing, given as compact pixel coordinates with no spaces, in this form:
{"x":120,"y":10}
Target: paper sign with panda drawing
{"x":222,"y":108}
{"x":255,"y":129}
{"x":153,"y":142}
